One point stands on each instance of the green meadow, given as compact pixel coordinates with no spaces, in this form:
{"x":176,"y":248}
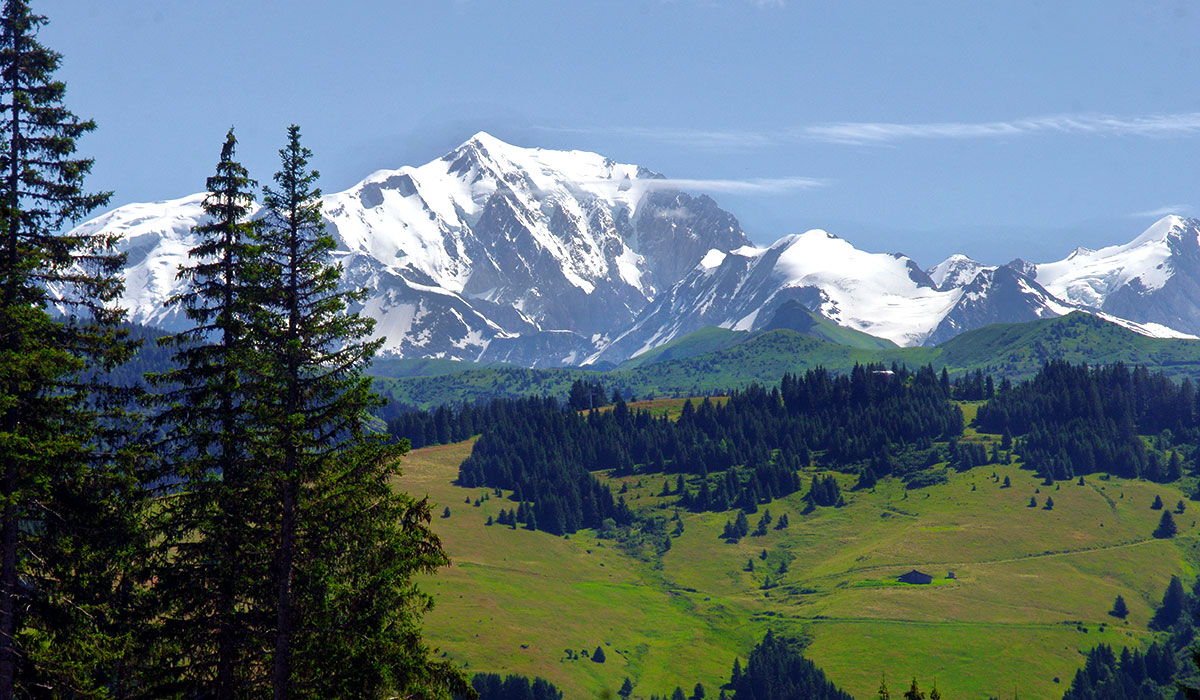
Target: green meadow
{"x":1031,"y":592}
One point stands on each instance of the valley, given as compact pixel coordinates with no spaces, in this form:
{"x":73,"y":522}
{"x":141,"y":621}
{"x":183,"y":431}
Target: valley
{"x":1031,"y":596}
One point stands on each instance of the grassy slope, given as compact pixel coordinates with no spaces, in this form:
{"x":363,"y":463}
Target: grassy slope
{"x":1028,"y":578}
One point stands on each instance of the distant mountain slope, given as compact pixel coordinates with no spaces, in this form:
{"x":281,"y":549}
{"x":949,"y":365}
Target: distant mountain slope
{"x":790,"y":315}
{"x":1006,"y":350}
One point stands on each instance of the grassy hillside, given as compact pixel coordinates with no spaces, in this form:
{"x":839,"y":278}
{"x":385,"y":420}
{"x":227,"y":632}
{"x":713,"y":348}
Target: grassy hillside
{"x":1018,"y":349}
{"x":1032,"y":591}
{"x":1011,"y":350}
{"x":703,"y":341}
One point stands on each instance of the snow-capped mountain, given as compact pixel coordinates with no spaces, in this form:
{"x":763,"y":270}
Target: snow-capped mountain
{"x":491,"y":252}
{"x":1153,"y":279}
{"x":539,"y":257}
{"x":887,"y":296}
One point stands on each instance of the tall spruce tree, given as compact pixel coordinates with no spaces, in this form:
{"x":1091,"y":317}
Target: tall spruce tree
{"x":346,"y":546}
{"x":68,"y":514}
{"x":213,"y":587}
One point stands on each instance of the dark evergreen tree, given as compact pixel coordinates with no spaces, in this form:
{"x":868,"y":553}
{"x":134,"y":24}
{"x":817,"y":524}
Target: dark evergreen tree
{"x":1166,"y":526}
{"x":1157,"y":504}
{"x":1119,"y":609}
{"x":598,"y":655}
{"x":776,"y":670}
{"x":333,"y":474}
{"x":914,"y":692}
{"x":69,"y":522}
{"x":212,"y":591}
{"x":1174,"y":604}
{"x":625,"y":691}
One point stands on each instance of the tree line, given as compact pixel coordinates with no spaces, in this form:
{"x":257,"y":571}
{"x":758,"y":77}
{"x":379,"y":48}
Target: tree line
{"x":1074,"y":420}
{"x":739,"y":453}
{"x":232,"y":531}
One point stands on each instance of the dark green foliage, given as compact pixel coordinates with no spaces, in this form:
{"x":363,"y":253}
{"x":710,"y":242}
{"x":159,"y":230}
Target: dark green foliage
{"x":598,"y":655}
{"x":207,"y":592}
{"x":745,"y":451}
{"x":292,"y":558}
{"x":1079,"y":420}
{"x":1049,"y":504}
{"x":914,"y":692}
{"x":737,"y":529}
{"x":1174,"y":604}
{"x":1007,"y":483}
{"x":546,"y":453}
{"x":625,"y":691}
{"x":71,"y":551}
{"x":1033,"y":502}
{"x":824,"y":491}
{"x":490,"y":686}
{"x":1157,"y":504}
{"x":586,"y":395}
{"x":866,"y":479}
{"x":968,"y":455}
{"x":775,"y":670}
{"x":1119,"y":609}
{"x":1134,"y":676}
{"x":763,"y":524}
{"x":1166,"y":526}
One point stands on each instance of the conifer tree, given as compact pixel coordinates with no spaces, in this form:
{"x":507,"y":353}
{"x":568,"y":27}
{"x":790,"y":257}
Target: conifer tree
{"x":1166,"y":526}
{"x":69,"y":516}
{"x":1119,"y":609}
{"x":345,"y":545}
{"x":212,"y":590}
{"x":914,"y":692}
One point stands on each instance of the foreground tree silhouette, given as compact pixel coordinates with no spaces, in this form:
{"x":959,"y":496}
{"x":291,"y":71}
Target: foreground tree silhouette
{"x":346,"y":546}
{"x":69,"y":507}
{"x":212,"y":587}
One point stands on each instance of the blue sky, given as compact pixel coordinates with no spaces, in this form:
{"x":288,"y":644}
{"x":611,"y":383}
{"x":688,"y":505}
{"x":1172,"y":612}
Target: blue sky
{"x":997,"y":129}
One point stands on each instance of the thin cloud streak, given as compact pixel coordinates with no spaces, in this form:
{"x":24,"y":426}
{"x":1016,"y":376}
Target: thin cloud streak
{"x":1179,"y":209}
{"x":750,"y":186}
{"x":882,"y":133}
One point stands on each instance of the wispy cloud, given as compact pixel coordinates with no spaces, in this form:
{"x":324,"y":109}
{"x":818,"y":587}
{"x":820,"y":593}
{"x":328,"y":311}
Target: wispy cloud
{"x":747,"y":186}
{"x":1180,"y":209}
{"x":1159,"y":125}
{"x":881,"y":133}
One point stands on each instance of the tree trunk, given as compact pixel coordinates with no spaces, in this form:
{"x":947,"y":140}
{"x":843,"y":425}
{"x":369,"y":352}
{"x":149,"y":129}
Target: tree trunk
{"x":283,"y":626}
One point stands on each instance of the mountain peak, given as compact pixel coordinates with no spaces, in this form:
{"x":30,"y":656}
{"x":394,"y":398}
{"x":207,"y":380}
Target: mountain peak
{"x":1160,"y":230}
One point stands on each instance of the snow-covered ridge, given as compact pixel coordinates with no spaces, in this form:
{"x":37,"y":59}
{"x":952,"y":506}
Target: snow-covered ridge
{"x":490,"y":243}
{"x":1088,"y":277}
{"x":539,"y":257}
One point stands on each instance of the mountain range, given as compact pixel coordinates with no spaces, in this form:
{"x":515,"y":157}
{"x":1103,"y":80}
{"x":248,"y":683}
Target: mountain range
{"x":534,"y":257}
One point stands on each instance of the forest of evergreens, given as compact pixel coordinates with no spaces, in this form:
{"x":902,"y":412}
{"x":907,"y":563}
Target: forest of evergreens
{"x":742,"y":452}
{"x":1074,"y":419}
